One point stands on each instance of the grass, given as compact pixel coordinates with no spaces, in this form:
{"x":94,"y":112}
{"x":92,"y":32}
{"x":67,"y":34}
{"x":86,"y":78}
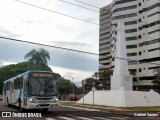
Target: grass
{"x":144,"y":108}
{"x":110,"y":108}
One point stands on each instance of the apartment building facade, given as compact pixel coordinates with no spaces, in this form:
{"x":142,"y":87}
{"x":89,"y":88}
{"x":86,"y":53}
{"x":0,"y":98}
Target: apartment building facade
{"x":142,"y":29}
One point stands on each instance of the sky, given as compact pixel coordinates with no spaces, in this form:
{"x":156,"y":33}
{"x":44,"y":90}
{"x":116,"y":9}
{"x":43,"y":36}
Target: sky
{"x":28,"y":23}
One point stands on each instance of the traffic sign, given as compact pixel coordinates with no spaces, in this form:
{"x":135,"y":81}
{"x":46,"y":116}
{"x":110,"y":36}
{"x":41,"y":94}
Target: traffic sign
{"x":93,"y":89}
{"x":83,"y":82}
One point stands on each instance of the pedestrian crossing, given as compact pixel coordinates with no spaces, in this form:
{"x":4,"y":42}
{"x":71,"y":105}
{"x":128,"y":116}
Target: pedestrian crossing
{"x":86,"y":115}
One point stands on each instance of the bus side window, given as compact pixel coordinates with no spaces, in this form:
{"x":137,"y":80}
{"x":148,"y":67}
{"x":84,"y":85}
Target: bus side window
{"x":16,"y":84}
{"x":9,"y":85}
{"x":6,"y":86}
{"x":21,"y":82}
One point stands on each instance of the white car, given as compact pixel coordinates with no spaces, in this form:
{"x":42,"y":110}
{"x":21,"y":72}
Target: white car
{"x":1,"y":98}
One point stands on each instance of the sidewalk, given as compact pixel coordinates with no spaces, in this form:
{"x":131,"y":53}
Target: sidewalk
{"x":114,"y":110}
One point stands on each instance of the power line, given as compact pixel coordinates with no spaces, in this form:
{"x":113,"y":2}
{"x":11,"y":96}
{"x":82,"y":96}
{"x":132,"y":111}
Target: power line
{"x":76,"y":17}
{"x":12,"y":39}
{"x":78,"y":6}
{"x":87,"y":4}
{"x":56,"y":12}
{"x":71,"y":16}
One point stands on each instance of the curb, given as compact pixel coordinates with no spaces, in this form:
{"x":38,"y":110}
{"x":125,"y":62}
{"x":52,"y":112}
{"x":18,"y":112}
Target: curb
{"x":80,"y":108}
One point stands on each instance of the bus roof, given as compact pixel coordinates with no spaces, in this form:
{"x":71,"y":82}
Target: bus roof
{"x":25,"y":73}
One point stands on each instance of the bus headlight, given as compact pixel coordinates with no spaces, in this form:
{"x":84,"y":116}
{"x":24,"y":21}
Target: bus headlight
{"x":32,"y":100}
{"x":54,"y":100}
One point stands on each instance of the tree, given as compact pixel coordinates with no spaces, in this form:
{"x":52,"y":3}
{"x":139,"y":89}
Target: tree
{"x":38,"y":57}
{"x":157,"y":76}
{"x":65,"y":86}
{"x":134,"y":73}
{"x":106,"y":74}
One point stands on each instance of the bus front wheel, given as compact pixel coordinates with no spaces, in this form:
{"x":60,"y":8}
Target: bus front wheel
{"x":20,"y":106}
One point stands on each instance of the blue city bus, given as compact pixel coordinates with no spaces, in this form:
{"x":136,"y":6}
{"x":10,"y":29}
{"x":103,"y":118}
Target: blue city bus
{"x":31,"y":90}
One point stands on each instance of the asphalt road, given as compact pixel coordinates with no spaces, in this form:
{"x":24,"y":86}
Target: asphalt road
{"x":66,"y":113}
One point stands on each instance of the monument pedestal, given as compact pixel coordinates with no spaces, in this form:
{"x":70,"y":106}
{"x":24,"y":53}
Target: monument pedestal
{"x":122,"y":98}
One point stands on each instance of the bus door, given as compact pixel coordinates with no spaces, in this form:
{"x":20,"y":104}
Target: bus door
{"x":24,"y":93}
{"x":11,"y":93}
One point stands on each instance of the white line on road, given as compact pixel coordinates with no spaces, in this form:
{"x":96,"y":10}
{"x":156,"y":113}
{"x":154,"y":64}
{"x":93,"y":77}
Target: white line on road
{"x":66,"y":118}
{"x":83,"y":118}
{"x":110,"y":118}
{"x":50,"y":119}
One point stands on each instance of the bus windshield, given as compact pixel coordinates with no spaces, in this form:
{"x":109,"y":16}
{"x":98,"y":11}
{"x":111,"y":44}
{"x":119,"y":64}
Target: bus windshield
{"x":42,"y":87}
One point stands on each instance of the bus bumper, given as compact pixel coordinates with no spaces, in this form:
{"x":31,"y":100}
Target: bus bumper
{"x":40,"y":106}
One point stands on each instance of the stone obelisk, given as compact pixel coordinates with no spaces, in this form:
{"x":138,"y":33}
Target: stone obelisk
{"x":121,"y":78}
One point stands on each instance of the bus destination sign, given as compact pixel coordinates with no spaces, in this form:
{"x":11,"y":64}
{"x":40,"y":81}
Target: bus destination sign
{"x":42,"y":75}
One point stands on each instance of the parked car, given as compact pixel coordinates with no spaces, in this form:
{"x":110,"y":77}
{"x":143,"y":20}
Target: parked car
{"x":1,"y":98}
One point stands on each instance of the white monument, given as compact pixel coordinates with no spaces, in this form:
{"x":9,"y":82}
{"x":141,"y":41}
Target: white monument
{"x":121,"y":72}
{"x":121,"y":94}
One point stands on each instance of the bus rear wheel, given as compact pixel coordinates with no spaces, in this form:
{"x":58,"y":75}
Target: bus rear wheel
{"x":8,"y":103}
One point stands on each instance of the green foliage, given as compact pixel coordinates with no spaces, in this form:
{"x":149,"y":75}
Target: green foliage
{"x":10,"y":71}
{"x":90,"y":82}
{"x":65,"y":86}
{"x":156,"y":81}
{"x":106,"y":74}
{"x":99,"y":80}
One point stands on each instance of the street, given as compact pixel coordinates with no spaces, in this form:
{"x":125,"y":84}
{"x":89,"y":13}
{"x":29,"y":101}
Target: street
{"x":67,"y":113}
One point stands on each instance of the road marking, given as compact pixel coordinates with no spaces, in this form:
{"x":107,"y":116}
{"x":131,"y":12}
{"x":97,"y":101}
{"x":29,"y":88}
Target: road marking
{"x":84,"y":118}
{"x":110,"y":118}
{"x":119,"y":118}
{"x":66,"y":118}
{"x":50,"y":119}
{"x":80,"y":108}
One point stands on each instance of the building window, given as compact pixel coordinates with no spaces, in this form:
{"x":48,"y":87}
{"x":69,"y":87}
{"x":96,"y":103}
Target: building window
{"x":140,"y":70}
{"x":131,"y":22}
{"x":131,"y":38}
{"x":139,"y":36}
{"x":123,"y":1}
{"x":132,"y":62}
{"x":131,"y":30}
{"x":140,"y":53}
{"x":125,"y":8}
{"x":155,"y":49}
{"x":131,"y":46}
{"x":125,"y":16}
{"x":131,"y":54}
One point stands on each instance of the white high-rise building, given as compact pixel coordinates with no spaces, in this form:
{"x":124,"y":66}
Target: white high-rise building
{"x":142,"y":29}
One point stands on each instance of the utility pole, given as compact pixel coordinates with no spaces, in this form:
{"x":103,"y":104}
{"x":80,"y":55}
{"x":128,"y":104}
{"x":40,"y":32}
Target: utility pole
{"x":73,"y":89}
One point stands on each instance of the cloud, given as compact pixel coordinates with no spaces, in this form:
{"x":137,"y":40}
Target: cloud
{"x":70,"y":44}
{"x":4,"y":63}
{"x":76,"y":75}
{"x":7,"y":33}
{"x":15,"y":51}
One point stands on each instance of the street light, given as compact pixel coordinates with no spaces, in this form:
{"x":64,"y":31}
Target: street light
{"x":73,"y":89}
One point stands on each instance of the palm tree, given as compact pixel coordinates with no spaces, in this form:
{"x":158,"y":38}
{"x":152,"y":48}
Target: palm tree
{"x":157,"y":76}
{"x":38,"y":57}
